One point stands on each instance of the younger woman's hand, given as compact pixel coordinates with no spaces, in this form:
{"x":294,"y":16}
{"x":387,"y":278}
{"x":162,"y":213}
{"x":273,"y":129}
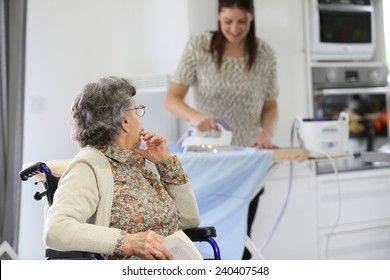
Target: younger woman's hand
{"x":203,"y":122}
{"x":263,"y":141}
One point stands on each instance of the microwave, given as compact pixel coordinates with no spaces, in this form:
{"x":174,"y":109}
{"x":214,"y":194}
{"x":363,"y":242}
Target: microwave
{"x":342,"y":30}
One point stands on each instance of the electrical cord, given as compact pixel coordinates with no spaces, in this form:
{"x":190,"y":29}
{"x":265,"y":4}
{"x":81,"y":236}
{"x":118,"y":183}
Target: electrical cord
{"x":339,"y":203}
{"x":290,"y":181}
{"x":279,"y":218}
{"x":284,"y":207}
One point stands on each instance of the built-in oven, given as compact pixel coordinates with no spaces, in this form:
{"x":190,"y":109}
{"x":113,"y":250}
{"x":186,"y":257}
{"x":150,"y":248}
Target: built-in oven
{"x":363,"y":93}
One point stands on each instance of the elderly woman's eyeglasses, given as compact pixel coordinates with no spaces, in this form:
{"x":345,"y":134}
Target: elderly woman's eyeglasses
{"x":139,"y":109}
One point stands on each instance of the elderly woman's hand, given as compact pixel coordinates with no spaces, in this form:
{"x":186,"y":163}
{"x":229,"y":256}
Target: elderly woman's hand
{"x":156,"y":148}
{"x":146,"y":245}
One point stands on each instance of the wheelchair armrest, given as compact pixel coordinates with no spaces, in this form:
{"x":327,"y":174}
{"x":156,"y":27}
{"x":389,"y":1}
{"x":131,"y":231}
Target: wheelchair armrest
{"x":75,"y":255}
{"x":33,"y":170}
{"x":200,"y":233}
{"x":195,"y":234}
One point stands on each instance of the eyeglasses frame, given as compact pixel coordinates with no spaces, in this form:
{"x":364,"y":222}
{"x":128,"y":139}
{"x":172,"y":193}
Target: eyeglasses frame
{"x":140,"y":110}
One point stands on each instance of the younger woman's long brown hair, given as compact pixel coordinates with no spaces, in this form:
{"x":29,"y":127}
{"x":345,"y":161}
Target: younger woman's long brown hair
{"x":218,"y":41}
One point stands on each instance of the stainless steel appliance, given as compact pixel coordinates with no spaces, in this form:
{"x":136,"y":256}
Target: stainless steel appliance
{"x":363,"y":93}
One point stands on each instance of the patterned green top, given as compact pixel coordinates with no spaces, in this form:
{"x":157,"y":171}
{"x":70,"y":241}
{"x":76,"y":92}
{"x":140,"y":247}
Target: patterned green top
{"x":140,"y":201}
{"x":232,"y":94}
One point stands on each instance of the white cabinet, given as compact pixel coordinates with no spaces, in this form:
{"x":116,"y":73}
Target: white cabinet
{"x":362,"y":243}
{"x":310,"y":227}
{"x":359,"y":204}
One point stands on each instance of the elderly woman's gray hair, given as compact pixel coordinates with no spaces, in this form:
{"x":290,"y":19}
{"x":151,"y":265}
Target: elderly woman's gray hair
{"x":98,"y":110}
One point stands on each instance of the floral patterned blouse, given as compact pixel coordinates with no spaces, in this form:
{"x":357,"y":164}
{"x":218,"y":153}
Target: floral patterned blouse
{"x":140,"y":201}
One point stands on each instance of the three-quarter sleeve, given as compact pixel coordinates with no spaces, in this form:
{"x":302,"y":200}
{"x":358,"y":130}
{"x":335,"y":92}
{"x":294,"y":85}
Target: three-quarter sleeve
{"x":178,"y":187}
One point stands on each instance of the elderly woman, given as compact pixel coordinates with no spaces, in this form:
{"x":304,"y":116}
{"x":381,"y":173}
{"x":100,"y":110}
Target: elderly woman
{"x":111,"y":200}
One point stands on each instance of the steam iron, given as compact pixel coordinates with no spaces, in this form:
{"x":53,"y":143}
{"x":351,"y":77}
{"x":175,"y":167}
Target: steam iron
{"x":214,"y":140}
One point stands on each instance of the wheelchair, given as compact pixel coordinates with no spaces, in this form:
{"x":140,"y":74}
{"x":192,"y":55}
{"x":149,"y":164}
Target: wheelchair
{"x":50,"y":182}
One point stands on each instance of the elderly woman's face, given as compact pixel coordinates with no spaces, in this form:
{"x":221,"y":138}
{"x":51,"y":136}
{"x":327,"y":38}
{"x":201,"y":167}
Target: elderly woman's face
{"x":133,"y":138}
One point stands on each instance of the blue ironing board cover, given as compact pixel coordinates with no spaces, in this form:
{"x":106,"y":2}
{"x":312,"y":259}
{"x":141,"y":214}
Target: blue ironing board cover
{"x":224,"y":183}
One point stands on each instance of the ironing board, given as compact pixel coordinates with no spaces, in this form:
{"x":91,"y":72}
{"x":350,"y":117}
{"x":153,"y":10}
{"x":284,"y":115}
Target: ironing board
{"x":224,"y":183}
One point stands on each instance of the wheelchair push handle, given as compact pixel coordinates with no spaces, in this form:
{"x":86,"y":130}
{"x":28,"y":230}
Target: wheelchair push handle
{"x":33,"y":170}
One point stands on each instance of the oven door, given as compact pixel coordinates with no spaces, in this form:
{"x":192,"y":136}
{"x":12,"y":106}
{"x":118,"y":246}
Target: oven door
{"x":368,"y":110}
{"x":339,"y":24}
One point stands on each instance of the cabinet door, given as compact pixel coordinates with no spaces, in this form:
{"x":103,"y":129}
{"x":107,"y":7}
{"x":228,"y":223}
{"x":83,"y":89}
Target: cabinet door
{"x":363,"y":196}
{"x":361,"y":201}
{"x":370,"y":243}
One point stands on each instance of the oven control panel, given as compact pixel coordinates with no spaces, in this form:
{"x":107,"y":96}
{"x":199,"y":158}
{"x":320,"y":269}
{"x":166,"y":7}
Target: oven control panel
{"x":349,"y":76}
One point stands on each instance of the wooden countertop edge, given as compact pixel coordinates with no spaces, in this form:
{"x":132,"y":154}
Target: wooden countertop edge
{"x":287,"y":154}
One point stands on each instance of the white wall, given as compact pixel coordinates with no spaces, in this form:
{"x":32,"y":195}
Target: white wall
{"x":281,"y":24}
{"x":70,"y":43}
{"x":202,"y":16}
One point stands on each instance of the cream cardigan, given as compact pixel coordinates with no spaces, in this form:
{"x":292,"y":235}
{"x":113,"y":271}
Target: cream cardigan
{"x":79,"y":218}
